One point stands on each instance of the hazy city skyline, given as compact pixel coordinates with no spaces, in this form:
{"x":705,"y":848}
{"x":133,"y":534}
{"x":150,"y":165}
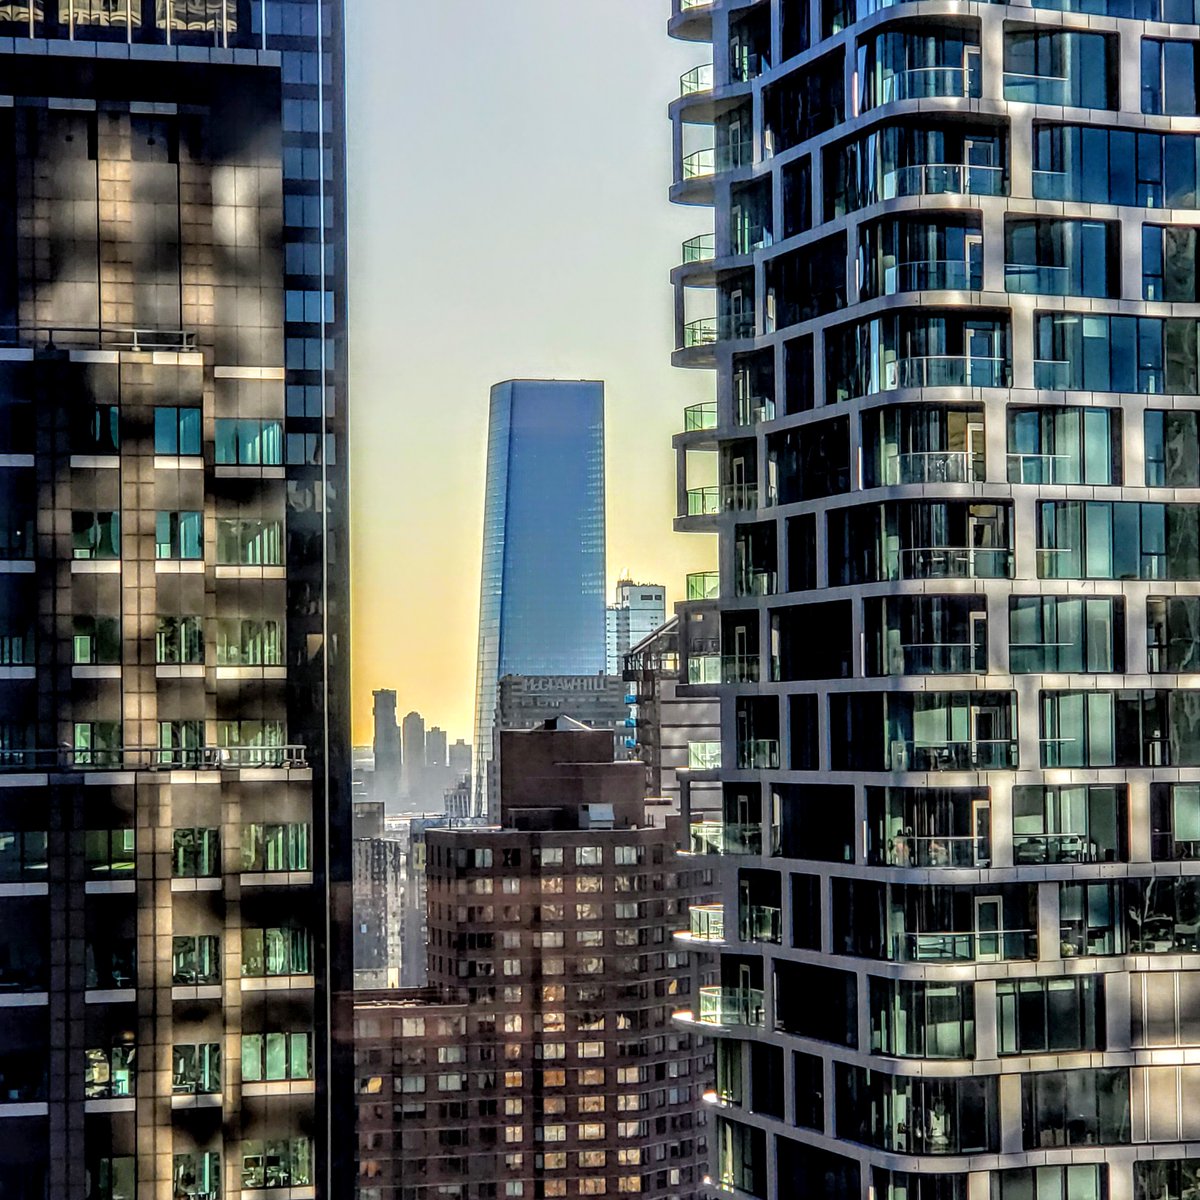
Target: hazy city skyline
{"x":576,"y":286}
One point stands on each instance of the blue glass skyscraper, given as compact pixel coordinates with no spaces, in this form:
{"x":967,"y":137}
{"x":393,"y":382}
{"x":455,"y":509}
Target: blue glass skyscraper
{"x":541,"y":599}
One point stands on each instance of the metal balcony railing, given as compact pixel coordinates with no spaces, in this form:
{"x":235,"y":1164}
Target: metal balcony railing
{"x":153,"y":758}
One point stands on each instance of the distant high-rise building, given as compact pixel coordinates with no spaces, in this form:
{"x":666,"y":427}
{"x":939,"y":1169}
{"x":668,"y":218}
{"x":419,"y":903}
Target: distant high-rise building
{"x":385,"y":781}
{"x":413,"y":739}
{"x":554,"y":973}
{"x":541,"y":608}
{"x":458,"y":758}
{"x":638,"y":609}
{"x":435,"y":747}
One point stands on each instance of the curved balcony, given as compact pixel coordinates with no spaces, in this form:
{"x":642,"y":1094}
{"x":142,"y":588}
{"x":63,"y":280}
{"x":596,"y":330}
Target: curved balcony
{"x":924,"y":83}
{"x":732,"y":1006}
{"x":698,"y":170}
{"x":703,"y":585}
{"x":700,"y":249}
{"x":696,"y":81}
{"x":700,"y":332}
{"x":934,"y":466}
{"x":691,"y":20}
{"x":699,"y":417}
{"x":703,"y":502}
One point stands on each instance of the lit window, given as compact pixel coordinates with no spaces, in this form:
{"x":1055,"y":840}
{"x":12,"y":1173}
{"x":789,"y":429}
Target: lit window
{"x":554,"y":1133}
{"x":591,"y":1131}
{"x":513,"y":1133}
{"x":590,"y":1049}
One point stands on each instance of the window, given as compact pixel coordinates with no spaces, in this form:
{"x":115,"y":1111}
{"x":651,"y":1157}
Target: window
{"x":1169,"y":77}
{"x":196,"y":853}
{"x":177,"y":431}
{"x":1165,"y":1008}
{"x":197,"y":1174}
{"x":1069,"y":823}
{"x":1083,"y":1181}
{"x":96,"y":429}
{"x":274,"y":1056}
{"x":1038,"y":1016}
{"x":277,"y":951}
{"x":180,"y":743}
{"x":1059,"y":634}
{"x":196,"y":960}
{"x":1165,"y":1178}
{"x":109,"y":853}
{"x":179,"y":641}
{"x":911,"y":1018}
{"x":96,"y":535}
{"x":109,"y":1070}
{"x":589,"y":856}
{"x":249,"y":542}
{"x":1064,"y":445}
{"x":1075,"y":1108}
{"x":246,"y":642}
{"x":179,"y":535}
{"x":1064,"y":67}
{"x":277,"y":1162}
{"x":23,"y":857}
{"x":97,"y":743}
{"x":249,"y":442}
{"x":196,"y":1069}
{"x":97,"y":640}
{"x":276,"y":848}
{"x":1090,"y":919}
{"x":1061,"y":258}
{"x":1172,"y":447}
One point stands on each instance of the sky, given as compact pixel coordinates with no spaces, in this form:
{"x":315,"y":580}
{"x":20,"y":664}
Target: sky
{"x":508,"y":174}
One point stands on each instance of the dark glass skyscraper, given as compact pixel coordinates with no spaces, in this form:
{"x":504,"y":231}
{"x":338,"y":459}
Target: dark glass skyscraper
{"x":541,"y":600}
{"x":173,"y":599}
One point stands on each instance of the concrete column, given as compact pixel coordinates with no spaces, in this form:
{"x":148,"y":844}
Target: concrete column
{"x":985,"y":1020}
{"x":1011,"y":1139}
{"x":1049,"y":928}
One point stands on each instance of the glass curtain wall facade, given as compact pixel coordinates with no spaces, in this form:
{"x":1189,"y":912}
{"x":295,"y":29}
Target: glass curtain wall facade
{"x":174,"y":739}
{"x":954,"y":600}
{"x":541,"y":599}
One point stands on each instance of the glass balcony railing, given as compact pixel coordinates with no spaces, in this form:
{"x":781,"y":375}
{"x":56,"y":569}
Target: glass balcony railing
{"x":753,"y":410}
{"x":699,"y":164}
{"x":1028,"y":279}
{"x":933,"y":275}
{"x":905,"y":850}
{"x":701,"y":248}
{"x":688,"y":5}
{"x":704,"y":756}
{"x":760,"y":923}
{"x":942,"y":658}
{"x":739,"y":668}
{"x":748,"y":66}
{"x":1051,"y":374}
{"x":975,"y":946}
{"x":992,"y":754}
{"x":700,"y":416}
{"x":704,"y":668}
{"x":704,"y":585}
{"x":923,"y":83}
{"x":1022,"y":88}
{"x":721,"y":837}
{"x":1043,"y":468}
{"x":707,"y":922}
{"x":732,"y":1006}
{"x":758,"y":754}
{"x":935,"y":466}
{"x":745,"y":239}
{"x":698,"y":79}
{"x":1055,"y":848}
{"x":954,"y":562}
{"x":739,"y":497}
{"x":949,"y":370}
{"x":936,"y":179}
{"x":756,"y":581}
{"x":703,"y":502}
{"x":701,"y":332}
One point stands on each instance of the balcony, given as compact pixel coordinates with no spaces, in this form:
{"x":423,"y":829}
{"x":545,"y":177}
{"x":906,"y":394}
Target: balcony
{"x":1023,"y":88}
{"x":758,"y":754}
{"x":939,"y":179}
{"x":704,"y":668}
{"x":739,"y":497}
{"x":701,"y":332}
{"x":697,"y":417}
{"x":935,"y":274}
{"x":906,"y":850}
{"x":700,"y":249}
{"x":732,"y":1006}
{"x":713,"y":160}
{"x":948,"y":370}
{"x":1051,"y":848}
{"x":698,"y":79}
{"x":756,"y":581}
{"x":760,"y":923}
{"x":155,"y":758}
{"x":719,"y":837}
{"x":925,"y":83}
{"x":703,"y":585}
{"x":993,"y":754}
{"x":1000,"y":945}
{"x":1027,"y":279}
{"x":739,"y":668}
{"x":704,"y":756}
{"x":1043,"y":468}
{"x":935,"y":466}
{"x":703,"y":501}
{"x":954,"y":562}
{"x":706,"y":923}
{"x":754,"y":410}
